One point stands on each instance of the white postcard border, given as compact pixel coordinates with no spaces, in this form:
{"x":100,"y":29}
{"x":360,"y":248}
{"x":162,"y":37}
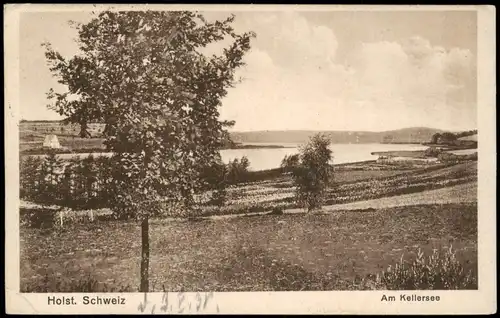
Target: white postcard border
{"x":340,"y":302}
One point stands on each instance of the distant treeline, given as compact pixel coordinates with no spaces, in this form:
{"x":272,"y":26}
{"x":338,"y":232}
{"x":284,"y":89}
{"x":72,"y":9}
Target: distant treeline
{"x":466,"y":133}
{"x":453,"y":139}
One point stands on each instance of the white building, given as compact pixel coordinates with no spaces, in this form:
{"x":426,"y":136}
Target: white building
{"x":51,"y":141}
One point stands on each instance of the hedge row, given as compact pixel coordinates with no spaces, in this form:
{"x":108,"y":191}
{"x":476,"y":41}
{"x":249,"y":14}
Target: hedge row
{"x":87,"y":183}
{"x":75,"y":183}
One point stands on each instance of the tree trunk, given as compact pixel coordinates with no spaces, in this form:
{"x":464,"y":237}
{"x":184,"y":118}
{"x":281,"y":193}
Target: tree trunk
{"x":84,"y":133}
{"x":145,"y":255}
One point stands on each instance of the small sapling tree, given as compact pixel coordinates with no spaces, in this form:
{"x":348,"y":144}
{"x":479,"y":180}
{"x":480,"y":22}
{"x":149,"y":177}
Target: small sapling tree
{"x":312,"y":175}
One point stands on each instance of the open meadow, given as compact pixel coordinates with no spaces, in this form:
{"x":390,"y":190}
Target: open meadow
{"x":333,"y":251}
{"x":375,"y":215}
{"x":352,"y":183}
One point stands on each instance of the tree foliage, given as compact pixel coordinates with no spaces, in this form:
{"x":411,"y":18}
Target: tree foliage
{"x":447,"y":137}
{"x":290,"y":162}
{"x":237,"y":170}
{"x":312,"y":175}
{"x":215,"y":177}
{"x":29,"y":177}
{"x":435,"y":138}
{"x":143,"y":74}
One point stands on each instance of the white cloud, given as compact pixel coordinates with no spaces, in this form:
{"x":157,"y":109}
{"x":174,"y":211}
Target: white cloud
{"x":294,"y":82}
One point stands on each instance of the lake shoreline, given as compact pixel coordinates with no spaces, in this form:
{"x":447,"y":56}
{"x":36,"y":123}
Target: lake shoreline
{"x":401,"y":153}
{"x":85,"y":151}
{"x":267,"y":157}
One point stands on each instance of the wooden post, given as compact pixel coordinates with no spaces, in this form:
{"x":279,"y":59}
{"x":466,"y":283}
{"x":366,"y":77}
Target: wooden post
{"x":144,"y":288}
{"x":145,"y":255}
{"x":61,"y":218}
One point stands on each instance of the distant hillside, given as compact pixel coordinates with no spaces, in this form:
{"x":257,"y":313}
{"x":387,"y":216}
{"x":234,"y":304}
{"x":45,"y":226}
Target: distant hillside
{"x":36,"y":130}
{"x":56,"y":127}
{"x":406,"y":135}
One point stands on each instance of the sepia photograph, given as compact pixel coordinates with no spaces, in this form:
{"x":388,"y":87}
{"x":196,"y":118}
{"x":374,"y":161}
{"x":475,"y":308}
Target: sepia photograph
{"x":248,"y":150}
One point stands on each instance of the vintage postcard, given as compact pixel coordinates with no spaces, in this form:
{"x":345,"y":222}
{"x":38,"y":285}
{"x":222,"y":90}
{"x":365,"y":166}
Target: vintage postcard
{"x":250,"y":159}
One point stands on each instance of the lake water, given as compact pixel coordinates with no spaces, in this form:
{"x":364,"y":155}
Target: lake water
{"x":270,"y":158}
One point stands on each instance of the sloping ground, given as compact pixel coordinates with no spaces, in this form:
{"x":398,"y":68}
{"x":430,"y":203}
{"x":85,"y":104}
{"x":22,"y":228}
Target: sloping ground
{"x":462,"y":193}
{"x":463,"y":151}
{"x":356,"y":192}
{"x":431,"y":178}
{"x":470,"y":138}
{"x":287,"y":252}
{"x":456,"y":194}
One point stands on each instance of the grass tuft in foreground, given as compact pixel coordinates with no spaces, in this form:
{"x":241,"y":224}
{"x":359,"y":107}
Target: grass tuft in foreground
{"x":440,"y":271}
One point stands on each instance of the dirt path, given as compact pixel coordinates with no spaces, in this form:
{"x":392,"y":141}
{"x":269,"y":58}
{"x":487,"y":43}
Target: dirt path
{"x":456,"y":194}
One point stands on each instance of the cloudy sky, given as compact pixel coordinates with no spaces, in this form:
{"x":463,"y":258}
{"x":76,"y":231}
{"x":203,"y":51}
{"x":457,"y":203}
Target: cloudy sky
{"x":316,"y":70}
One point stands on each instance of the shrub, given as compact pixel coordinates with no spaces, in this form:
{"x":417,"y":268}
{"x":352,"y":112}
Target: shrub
{"x":453,"y":158}
{"x":75,"y":183}
{"x":39,"y":218}
{"x":261,"y":175}
{"x":219,"y":197}
{"x":214,"y":177}
{"x":290,"y":162}
{"x":276,"y":211}
{"x":49,"y":177}
{"x":237,"y":170}
{"x":29,"y":169}
{"x":438,"y":271}
{"x":446,"y":138}
{"x":432,"y":152}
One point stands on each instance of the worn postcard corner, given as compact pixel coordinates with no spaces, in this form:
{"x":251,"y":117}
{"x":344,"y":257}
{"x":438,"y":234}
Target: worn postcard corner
{"x":250,"y":159}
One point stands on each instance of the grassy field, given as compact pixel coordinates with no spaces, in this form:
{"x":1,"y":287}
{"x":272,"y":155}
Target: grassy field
{"x":75,"y":144}
{"x":288,"y":252}
{"x":462,"y":193}
{"x":377,"y":214}
{"x":347,"y":186}
{"x":274,"y":190}
{"x":32,"y":135}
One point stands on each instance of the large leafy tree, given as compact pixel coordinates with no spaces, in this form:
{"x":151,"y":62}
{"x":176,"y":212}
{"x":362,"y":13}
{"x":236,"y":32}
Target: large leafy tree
{"x":144,"y":75}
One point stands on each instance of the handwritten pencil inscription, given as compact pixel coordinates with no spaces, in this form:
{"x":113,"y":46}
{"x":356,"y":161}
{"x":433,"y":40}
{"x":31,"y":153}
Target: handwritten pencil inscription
{"x":178,"y":303}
